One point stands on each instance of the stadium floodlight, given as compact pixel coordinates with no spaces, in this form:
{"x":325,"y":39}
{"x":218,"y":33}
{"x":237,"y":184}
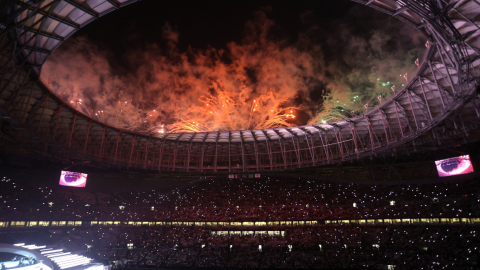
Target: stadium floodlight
{"x":57,"y":254}
{"x":65,"y":258}
{"x":34,"y":247}
{"x":51,"y":251}
{"x":19,"y":244}
{"x":74,"y":263}
{"x":68,"y":258}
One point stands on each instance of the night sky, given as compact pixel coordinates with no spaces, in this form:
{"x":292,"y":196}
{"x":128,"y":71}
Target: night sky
{"x":349,"y":47}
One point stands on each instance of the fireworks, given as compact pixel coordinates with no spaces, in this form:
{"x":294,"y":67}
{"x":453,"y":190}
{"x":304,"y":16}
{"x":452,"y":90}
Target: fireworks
{"x":255,"y":84}
{"x":100,"y":116}
{"x":81,"y":107}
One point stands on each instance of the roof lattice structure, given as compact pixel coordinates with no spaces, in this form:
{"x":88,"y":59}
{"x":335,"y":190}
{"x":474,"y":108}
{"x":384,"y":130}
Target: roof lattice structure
{"x":439,"y":105}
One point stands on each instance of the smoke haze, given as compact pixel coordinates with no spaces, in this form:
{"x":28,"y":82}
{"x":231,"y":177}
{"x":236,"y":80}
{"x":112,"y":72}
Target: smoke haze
{"x":265,"y":80}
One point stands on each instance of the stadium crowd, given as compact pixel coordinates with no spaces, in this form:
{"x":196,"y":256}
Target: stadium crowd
{"x":324,"y":246}
{"x":406,"y":247}
{"x":261,"y":199}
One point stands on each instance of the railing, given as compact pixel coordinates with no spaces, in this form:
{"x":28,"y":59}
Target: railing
{"x":240,"y":224}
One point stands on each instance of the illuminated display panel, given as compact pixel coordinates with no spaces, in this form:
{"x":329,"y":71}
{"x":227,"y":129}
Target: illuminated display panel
{"x":454,"y":166}
{"x":73,"y":179}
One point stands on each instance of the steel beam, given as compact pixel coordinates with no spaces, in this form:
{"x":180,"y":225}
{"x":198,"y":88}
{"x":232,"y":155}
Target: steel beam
{"x":216,"y":151}
{"x":436,"y":82}
{"x":256,"y":152}
{"x":55,"y":17}
{"x":269,"y":150}
{"x":175,"y":148}
{"x":56,"y":125}
{"x":100,"y":154}
{"x":146,"y":152}
{"x":161,"y":154}
{"x":88,"y":133}
{"x":370,"y":133}
{"x":243,"y":151}
{"x":339,"y":142}
{"x":413,"y":109}
{"x":30,"y":15}
{"x":382,"y":113}
{"x":325,"y":146}
{"x":398,"y":118}
{"x":131,"y":151}
{"x":116,"y":147}
{"x":203,"y":152}
{"x":354,"y":135}
{"x":85,"y":9}
{"x":43,"y":111}
{"x":71,"y":133}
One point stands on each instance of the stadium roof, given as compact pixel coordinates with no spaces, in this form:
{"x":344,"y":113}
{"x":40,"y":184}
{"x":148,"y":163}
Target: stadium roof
{"x":438,"y":104}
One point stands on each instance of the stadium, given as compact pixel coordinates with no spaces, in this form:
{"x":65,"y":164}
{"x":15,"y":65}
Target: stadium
{"x":391,"y":188}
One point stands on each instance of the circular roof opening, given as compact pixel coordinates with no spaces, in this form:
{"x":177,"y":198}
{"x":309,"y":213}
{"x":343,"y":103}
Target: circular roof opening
{"x":275,"y":65}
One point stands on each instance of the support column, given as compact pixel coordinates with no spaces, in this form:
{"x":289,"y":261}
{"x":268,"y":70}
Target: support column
{"x":26,"y":104}
{"x":436,"y":82}
{"x":425,"y":97}
{"x":131,"y":150}
{"x":116,"y":147}
{"x":101,"y":144}
{"x":325,"y":145}
{"x":229,"y":151}
{"x":445,"y":65}
{"x":256,"y":153}
{"x":413,"y":109}
{"x":311,"y":149}
{"x":216,"y":154}
{"x":284,"y":154}
{"x":398,"y":118}
{"x":382,"y":113}
{"x":269,"y":154}
{"x":370,"y":133}
{"x":71,"y":132}
{"x":161,"y":155}
{"x":146,"y":153}
{"x":354,"y":135}
{"x":296,"y":152}
{"x":203,"y":153}
{"x":339,"y":143}
{"x":56,"y":125}
{"x":243,"y":153}
{"x":175,"y":147}
{"x":188,"y":158}
{"x":41,"y":115}
{"x":88,"y":133}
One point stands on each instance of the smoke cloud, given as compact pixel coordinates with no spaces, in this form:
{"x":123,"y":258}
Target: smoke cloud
{"x":263,"y":81}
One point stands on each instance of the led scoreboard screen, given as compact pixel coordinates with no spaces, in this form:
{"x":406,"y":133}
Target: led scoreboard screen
{"x":73,"y":179}
{"x":454,"y":166}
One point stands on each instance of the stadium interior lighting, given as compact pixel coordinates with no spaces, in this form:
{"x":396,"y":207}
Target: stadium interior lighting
{"x":58,"y":254}
{"x":65,"y":258}
{"x":51,"y":251}
{"x":74,"y":263}
{"x":34,"y":247}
